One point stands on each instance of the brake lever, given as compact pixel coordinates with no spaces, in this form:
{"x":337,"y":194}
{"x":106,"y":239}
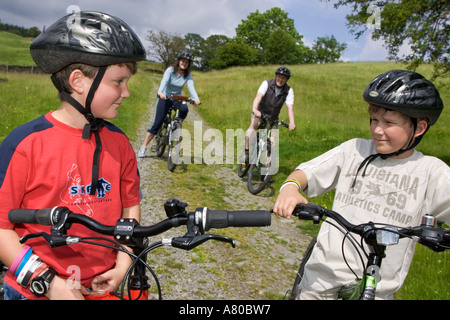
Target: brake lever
{"x":27,"y":237}
{"x":190,"y":242}
{"x":54,"y":241}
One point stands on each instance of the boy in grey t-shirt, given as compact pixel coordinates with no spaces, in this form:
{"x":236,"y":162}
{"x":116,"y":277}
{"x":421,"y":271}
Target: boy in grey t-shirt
{"x":383,"y":180}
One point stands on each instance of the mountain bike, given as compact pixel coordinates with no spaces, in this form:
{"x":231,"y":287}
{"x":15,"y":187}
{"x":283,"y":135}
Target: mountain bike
{"x":377,"y":237}
{"x":169,"y":135}
{"x":128,"y":232}
{"x":260,"y":168}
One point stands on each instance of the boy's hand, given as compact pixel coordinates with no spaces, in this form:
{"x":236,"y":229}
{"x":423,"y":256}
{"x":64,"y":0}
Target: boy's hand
{"x":59,"y":290}
{"x":108,"y":281}
{"x":287,"y":200}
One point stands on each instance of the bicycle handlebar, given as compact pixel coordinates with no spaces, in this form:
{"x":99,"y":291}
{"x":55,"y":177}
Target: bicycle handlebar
{"x":178,"y":98}
{"x":199,"y":221}
{"x":128,"y":232}
{"x":436,"y":238}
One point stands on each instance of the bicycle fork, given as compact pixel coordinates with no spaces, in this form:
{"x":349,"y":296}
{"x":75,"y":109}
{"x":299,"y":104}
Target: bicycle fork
{"x":263,"y":145}
{"x":139,"y":284}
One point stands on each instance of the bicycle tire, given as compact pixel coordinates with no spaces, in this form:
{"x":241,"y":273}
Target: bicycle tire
{"x":170,"y":163}
{"x":174,"y":149}
{"x":256,"y":182}
{"x":243,"y":169}
{"x":161,"y":140}
{"x":295,"y":292}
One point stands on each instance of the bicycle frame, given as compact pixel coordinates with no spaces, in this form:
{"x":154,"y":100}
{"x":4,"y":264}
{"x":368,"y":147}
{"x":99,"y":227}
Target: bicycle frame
{"x":260,"y":172}
{"x":170,"y":132}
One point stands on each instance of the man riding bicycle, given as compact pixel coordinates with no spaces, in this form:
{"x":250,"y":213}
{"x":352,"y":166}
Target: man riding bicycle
{"x":269,"y":100}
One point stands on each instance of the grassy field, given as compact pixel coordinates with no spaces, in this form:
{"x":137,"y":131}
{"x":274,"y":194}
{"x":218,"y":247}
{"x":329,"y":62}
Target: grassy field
{"x":329,"y":109}
{"x":14,"y":50}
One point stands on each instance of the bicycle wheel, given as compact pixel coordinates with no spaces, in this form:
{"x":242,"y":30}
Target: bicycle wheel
{"x":257,"y":181}
{"x":258,"y":174}
{"x":174,"y":147}
{"x":243,"y":169}
{"x":161,"y":140}
{"x":295,"y":292}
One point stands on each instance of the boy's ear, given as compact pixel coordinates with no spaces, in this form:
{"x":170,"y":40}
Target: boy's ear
{"x":422,"y":126}
{"x":76,"y":81}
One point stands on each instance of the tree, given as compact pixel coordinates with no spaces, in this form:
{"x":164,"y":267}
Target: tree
{"x":234,"y":53}
{"x":258,"y":28}
{"x":33,"y":32}
{"x":422,"y":24}
{"x":195,"y":46}
{"x":327,"y":49}
{"x":210,"y":49}
{"x":280,"y":48}
{"x":165,"y":47}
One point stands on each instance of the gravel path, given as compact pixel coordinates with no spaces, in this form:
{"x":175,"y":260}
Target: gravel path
{"x":264,"y":262}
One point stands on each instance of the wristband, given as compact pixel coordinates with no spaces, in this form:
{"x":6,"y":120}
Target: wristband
{"x":288,"y":183}
{"x":18,"y":259}
{"x":27,"y":278}
{"x":25,"y":259}
{"x":42,"y":267}
{"x":26,"y":268}
{"x":296,"y":182}
{"x":293,"y":182}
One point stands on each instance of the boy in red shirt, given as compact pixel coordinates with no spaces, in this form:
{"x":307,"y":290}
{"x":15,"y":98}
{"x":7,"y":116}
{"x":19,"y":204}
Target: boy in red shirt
{"x":71,"y":157}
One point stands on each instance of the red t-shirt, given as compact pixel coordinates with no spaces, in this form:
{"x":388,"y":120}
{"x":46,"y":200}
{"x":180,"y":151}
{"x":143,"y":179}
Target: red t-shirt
{"x":46,"y":163}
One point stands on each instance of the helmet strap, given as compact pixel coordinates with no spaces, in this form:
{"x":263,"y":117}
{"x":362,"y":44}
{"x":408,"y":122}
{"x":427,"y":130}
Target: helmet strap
{"x":93,"y":124}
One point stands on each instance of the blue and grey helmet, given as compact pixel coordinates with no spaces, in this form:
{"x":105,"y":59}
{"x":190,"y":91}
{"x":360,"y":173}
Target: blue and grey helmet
{"x":407,"y":92}
{"x":89,"y":37}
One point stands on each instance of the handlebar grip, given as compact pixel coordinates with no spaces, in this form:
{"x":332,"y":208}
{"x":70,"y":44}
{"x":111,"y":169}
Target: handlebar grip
{"x":218,"y":219}
{"x":34,"y":216}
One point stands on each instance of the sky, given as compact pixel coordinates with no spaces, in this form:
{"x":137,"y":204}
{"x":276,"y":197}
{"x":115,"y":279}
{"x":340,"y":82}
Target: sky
{"x":312,"y":18}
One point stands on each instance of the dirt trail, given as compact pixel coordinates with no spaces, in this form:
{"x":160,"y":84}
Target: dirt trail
{"x":264,"y":262}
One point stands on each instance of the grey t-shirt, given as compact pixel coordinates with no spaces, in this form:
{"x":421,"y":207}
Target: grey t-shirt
{"x":393,"y":191}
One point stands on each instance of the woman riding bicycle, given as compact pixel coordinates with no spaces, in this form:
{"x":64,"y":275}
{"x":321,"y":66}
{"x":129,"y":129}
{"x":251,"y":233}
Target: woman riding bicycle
{"x":172,"y":83}
{"x":383,"y":180}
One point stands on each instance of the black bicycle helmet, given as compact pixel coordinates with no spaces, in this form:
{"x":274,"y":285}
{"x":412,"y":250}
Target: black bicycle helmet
{"x":92,"y":38}
{"x":407,"y":92}
{"x":285,"y":71}
{"x":88,"y":37}
{"x":185,"y":55}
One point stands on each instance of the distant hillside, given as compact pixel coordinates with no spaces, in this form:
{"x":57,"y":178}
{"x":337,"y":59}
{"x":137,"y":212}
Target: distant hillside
{"x":15,"y":50}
